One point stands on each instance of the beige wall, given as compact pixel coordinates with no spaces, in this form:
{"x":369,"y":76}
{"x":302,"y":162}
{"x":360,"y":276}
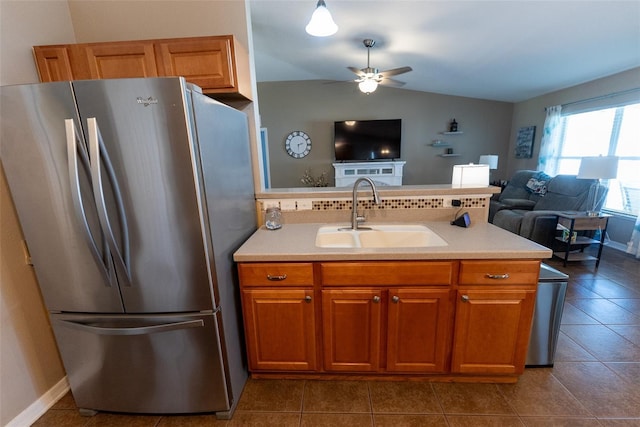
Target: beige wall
{"x":29,"y":361}
{"x":313,"y":106}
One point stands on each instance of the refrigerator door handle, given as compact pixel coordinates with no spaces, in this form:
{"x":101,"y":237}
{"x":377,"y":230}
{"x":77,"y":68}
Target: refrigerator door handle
{"x":136,"y":330}
{"x":98,"y":156}
{"x":74,"y":145}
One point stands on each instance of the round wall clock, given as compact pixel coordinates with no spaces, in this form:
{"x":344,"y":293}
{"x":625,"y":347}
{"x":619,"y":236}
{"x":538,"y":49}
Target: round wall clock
{"x":298,"y":144}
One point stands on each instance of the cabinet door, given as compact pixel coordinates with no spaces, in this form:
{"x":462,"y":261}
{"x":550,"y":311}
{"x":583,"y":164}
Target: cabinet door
{"x":53,"y":62}
{"x":207,"y":62}
{"x":280,"y":329}
{"x":120,"y":60}
{"x":351,"y":336}
{"x":419,"y":330}
{"x":492,"y":329}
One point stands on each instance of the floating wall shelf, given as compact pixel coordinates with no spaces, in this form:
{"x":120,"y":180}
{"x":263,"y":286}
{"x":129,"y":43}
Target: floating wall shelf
{"x":449,"y":155}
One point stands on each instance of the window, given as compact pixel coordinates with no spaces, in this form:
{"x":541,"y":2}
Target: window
{"x":613,"y":132}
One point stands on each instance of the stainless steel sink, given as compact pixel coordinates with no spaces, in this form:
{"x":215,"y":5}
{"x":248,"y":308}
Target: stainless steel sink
{"x":378,"y":236}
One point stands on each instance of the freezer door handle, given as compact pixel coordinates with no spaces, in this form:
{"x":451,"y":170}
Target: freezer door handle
{"x":99,"y":156}
{"x":136,"y":330}
{"x":75,"y":146}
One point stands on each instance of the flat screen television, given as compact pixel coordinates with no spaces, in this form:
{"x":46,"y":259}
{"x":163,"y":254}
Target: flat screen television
{"x":366,"y":140}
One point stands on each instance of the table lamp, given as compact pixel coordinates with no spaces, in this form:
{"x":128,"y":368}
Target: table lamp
{"x":470,"y":176}
{"x":489,"y":159}
{"x":598,"y":168}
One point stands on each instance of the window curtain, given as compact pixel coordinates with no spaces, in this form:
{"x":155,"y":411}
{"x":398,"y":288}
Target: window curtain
{"x":633,"y":247}
{"x":550,"y":144}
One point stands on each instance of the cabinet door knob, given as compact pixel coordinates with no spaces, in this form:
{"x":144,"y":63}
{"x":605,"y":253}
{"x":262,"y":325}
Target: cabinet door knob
{"x":376,"y":299}
{"x":307,"y":298}
{"x":395,"y":299}
{"x":498,"y":276}
{"x":465,"y":298}
{"x":276,"y":278}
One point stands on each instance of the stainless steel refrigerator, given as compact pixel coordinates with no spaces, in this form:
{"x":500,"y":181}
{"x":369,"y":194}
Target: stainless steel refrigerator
{"x":133,"y":195}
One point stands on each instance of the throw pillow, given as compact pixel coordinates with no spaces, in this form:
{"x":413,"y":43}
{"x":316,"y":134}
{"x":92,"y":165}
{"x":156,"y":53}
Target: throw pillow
{"x":537,"y":186}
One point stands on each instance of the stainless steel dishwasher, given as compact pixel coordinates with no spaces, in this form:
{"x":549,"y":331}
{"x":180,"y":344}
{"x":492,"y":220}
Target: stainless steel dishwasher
{"x":552,"y":288}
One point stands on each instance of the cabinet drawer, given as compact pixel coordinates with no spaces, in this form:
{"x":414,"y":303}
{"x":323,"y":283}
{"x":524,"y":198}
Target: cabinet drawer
{"x":499,"y":273}
{"x":276,"y":274}
{"x":387,"y":273}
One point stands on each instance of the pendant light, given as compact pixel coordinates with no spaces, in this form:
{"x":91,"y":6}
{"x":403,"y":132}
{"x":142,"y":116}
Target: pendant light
{"x":321,"y":23}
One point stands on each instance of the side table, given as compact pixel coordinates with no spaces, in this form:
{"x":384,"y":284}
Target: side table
{"x":580,"y":221}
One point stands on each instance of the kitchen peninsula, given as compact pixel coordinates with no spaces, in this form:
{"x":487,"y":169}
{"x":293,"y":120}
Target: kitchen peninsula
{"x":459,"y":312}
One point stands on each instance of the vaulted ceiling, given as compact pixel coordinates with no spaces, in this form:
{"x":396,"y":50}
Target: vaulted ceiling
{"x":509,"y":50}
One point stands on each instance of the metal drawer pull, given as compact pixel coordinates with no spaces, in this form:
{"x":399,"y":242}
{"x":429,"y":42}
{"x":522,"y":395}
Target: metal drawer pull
{"x":307,"y":298}
{"x":376,"y":299}
{"x":395,"y":299}
{"x":498,"y":276}
{"x":465,"y":298}
{"x":276,"y":278}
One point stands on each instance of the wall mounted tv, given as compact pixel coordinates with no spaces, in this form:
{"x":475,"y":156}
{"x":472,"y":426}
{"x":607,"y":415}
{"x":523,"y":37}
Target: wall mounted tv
{"x":366,"y":140}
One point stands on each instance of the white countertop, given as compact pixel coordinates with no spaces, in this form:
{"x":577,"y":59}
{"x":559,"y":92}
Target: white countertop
{"x":296,"y":242}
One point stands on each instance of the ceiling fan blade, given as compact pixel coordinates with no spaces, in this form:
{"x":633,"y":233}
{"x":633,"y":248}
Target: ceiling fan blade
{"x":357,"y":71}
{"x":392,"y":82}
{"x":395,"y":71}
{"x":332,"y":82}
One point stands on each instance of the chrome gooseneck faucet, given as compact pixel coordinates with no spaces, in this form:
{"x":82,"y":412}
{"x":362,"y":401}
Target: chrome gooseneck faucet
{"x":355,"y":219}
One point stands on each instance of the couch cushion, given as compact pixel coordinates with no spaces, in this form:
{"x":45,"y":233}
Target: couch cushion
{"x":517,"y":187}
{"x":565,"y":193}
{"x":509,"y":220}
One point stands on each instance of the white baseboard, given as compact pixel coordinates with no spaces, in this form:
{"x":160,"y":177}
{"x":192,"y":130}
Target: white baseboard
{"x":40,"y":406}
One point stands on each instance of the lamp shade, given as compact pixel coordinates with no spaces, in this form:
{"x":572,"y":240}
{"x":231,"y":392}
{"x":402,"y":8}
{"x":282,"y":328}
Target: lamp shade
{"x":489,"y":159}
{"x":321,"y":23}
{"x":601,"y":167}
{"x":470,"y":176}
{"x":367,"y":86}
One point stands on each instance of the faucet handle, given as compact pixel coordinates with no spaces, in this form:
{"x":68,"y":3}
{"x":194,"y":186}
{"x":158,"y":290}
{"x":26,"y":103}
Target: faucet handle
{"x":360,"y":218}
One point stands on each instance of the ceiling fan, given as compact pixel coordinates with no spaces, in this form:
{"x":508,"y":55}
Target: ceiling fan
{"x":369,"y":78}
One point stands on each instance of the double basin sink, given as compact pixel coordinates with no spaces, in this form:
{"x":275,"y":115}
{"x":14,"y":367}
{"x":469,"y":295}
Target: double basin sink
{"x":378,"y":236}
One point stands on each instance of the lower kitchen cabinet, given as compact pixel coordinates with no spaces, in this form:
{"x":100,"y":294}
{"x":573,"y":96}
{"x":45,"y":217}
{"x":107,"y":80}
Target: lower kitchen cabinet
{"x":278,"y":307}
{"x":386,"y":316}
{"x":494,"y":311}
{"x":351,"y":321}
{"x":419,"y":330}
{"x":444,"y":319}
{"x":280,"y":329}
{"x":492,"y":331}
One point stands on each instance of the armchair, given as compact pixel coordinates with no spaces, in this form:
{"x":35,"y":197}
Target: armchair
{"x":564,"y":193}
{"x":516,"y":195}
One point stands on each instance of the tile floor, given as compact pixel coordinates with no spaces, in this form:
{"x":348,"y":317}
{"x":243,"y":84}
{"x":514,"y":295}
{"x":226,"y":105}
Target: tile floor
{"x":595,"y":380}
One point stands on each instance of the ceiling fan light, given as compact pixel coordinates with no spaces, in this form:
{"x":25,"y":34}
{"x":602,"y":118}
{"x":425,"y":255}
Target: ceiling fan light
{"x":367,"y":86}
{"x":321,"y":23}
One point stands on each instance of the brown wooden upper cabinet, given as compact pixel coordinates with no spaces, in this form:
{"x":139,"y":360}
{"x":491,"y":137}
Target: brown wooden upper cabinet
{"x":53,"y":63}
{"x":121,"y":60}
{"x":218,"y":64}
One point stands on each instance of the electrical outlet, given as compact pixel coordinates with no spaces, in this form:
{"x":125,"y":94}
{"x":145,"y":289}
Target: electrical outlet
{"x":288,"y":205}
{"x":455,"y":203}
{"x":305,"y":205}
